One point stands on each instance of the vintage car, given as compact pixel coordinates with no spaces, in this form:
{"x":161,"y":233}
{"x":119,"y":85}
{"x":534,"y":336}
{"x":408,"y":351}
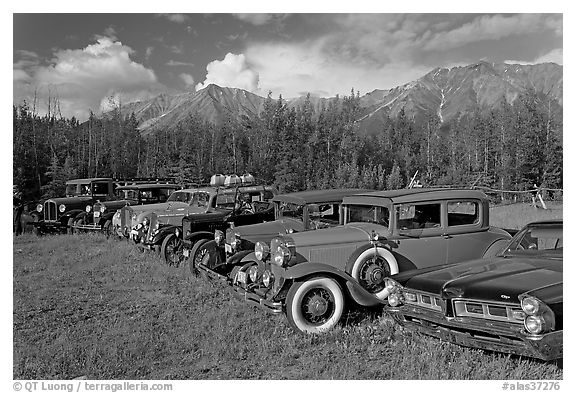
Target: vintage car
{"x":99,"y":217}
{"x":310,"y":275}
{"x":208,"y":208}
{"x":56,"y":215}
{"x":293,"y":212}
{"x":510,"y":303}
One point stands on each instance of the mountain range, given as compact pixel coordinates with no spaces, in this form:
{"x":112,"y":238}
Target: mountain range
{"x":443,"y":92}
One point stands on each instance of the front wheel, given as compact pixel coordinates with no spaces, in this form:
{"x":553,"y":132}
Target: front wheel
{"x":370,"y":267}
{"x":70,"y":226}
{"x":196,"y":254}
{"x":315,"y":305}
{"x":171,"y":250}
{"x":107,"y":228}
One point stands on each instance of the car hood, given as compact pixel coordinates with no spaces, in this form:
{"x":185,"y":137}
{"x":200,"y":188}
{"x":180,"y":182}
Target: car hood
{"x":495,"y":279}
{"x":159,"y":206}
{"x":349,"y":233}
{"x":267,"y":230}
{"x":72,"y":202}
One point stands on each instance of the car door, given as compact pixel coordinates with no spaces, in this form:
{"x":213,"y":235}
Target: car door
{"x":419,"y":235}
{"x":467,"y":238}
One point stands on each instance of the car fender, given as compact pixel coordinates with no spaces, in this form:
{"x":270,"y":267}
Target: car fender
{"x":70,"y":214}
{"x":164,"y":231}
{"x":495,"y":248}
{"x":195,"y":236}
{"x":354,"y":289}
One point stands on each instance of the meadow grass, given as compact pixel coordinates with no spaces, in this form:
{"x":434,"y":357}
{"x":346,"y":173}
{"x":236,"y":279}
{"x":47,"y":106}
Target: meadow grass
{"x":87,"y":306}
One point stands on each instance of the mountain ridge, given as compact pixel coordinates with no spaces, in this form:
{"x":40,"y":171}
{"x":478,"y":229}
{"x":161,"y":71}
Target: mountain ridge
{"x":442,"y":93}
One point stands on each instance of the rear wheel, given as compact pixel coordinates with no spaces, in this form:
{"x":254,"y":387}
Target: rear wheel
{"x":315,"y":305}
{"x":171,"y":250}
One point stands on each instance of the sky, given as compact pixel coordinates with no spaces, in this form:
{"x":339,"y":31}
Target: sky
{"x":88,"y":62}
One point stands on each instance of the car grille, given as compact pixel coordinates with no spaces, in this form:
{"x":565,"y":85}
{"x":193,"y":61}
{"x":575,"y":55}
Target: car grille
{"x":50,"y":211}
{"x":426,"y":300}
{"x":492,"y":311}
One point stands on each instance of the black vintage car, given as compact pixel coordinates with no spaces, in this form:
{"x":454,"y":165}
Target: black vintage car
{"x":99,"y":217}
{"x":510,"y":303}
{"x":190,"y":215}
{"x":294,"y":212}
{"x":56,"y":215}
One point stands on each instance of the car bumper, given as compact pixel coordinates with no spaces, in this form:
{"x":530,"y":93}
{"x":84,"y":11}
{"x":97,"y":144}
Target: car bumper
{"x":88,"y":227}
{"x":50,"y":226}
{"x":469,"y":332}
{"x":258,"y":300}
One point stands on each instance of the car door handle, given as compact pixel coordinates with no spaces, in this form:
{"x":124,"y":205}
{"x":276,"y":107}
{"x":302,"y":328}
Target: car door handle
{"x":447,"y":236}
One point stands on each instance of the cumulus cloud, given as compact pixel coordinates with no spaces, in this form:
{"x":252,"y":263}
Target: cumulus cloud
{"x":81,"y":78}
{"x":292,"y":70}
{"x":232,"y":71}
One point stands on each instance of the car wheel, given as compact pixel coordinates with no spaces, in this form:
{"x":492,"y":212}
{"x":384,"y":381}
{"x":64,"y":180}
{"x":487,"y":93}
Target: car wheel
{"x":371,"y":267}
{"x":70,"y":226}
{"x":196,"y":255}
{"x":315,"y":305}
{"x":77,"y":222}
{"x":35,"y":229}
{"x":107,"y":228}
{"x":172,"y":250}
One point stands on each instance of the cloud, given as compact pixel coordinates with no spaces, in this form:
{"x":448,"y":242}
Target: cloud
{"x":233,"y":71}
{"x":554,"y":56}
{"x":492,"y":27}
{"x":291,"y":69}
{"x":187,"y":78}
{"x":80,"y":78}
{"x":174,"y":63}
{"x":176,"y":18}
{"x":260,"y":19}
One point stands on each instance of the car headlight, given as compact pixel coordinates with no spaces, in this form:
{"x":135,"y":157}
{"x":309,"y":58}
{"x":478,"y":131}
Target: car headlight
{"x":395,"y":292}
{"x":253,"y":273}
{"x":236,"y":242}
{"x":102,"y":209}
{"x":267,"y":278}
{"x":261,"y":251}
{"x":530,"y":305}
{"x":177,"y":232}
{"x":218,"y":237}
{"x":88,"y":208}
{"x":534,"y":324}
{"x":146,"y":221}
{"x":281,"y":255}
{"x":39,"y":208}
{"x":62,"y":208}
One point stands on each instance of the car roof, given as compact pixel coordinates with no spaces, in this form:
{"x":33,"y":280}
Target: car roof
{"x":88,"y":180}
{"x":316,"y":196}
{"x":422,"y":194}
{"x":147,"y":186}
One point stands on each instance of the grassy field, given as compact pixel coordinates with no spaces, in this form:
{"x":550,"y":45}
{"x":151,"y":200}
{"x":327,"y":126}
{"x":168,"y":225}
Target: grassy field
{"x":89,"y":307}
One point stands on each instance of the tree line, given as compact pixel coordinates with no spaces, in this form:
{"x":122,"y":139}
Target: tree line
{"x":297,"y":148}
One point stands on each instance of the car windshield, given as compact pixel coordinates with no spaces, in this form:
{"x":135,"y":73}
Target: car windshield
{"x":72,"y":189}
{"x":544,"y":239}
{"x":99,"y":189}
{"x":292,"y":210}
{"x":180,"y":196}
{"x":367,"y":213}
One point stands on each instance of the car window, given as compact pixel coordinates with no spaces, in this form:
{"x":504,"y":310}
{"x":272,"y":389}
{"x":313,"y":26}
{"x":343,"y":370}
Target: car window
{"x":100,"y":188}
{"x":418,"y":216}
{"x":538,"y":239}
{"x":71,"y":189}
{"x":200,"y":199}
{"x":367,"y":213}
{"x":327,"y":215}
{"x":180,"y":196}
{"x":292,"y":210}
{"x":463,"y":213}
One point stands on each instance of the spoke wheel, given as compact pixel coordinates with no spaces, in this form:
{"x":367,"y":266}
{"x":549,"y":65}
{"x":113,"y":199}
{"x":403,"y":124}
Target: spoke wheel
{"x":172,"y":250}
{"x":196,"y":255}
{"x":372,"y":272}
{"x":315,"y":305}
